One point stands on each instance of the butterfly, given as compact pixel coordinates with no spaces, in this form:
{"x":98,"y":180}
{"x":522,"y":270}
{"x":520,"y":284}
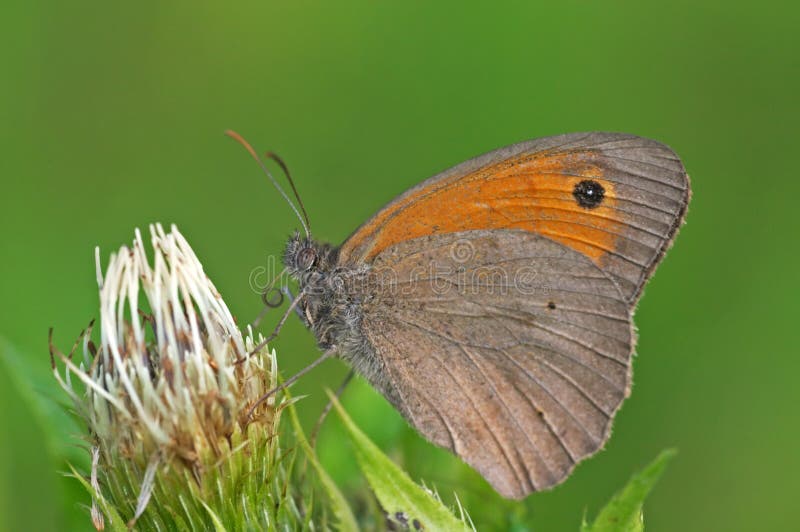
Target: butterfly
{"x":492,"y":304}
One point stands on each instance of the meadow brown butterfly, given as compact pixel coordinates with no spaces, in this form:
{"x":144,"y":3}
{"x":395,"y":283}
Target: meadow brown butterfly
{"x":492,"y":304}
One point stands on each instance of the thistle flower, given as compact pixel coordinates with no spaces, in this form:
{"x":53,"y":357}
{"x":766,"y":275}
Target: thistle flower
{"x":167,"y":396}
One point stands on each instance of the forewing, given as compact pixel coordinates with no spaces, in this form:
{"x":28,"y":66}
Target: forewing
{"x":531,"y":186}
{"x":508,"y":348}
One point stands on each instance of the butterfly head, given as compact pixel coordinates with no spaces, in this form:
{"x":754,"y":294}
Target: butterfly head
{"x":305,"y":256}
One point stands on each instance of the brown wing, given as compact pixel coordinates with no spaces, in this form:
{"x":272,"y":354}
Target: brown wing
{"x":508,"y":348}
{"x":535,"y":186}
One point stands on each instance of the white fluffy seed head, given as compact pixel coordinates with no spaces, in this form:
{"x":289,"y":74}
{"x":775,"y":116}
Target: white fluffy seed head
{"x":171,"y":375}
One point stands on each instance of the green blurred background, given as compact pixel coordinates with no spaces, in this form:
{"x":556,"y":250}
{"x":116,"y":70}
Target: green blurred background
{"x":111,"y":117}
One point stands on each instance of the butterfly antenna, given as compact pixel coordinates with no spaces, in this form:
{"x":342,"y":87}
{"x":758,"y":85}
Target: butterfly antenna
{"x":274,"y":156}
{"x":238,"y":138}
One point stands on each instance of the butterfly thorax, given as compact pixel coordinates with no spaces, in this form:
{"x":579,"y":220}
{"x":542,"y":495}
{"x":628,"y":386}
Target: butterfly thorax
{"x":331,"y":298}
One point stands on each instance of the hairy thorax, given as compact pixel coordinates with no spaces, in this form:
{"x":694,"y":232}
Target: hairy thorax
{"x":332,"y":295}
{"x":333,"y":299}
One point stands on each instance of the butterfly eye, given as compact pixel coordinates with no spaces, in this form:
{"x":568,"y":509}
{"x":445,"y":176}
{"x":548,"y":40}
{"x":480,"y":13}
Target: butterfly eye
{"x":306,"y":259}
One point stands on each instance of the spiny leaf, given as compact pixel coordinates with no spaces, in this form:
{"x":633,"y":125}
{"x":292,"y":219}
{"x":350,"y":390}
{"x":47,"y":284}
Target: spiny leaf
{"x":624,"y":511}
{"x":398,"y":494}
{"x":338,"y":504}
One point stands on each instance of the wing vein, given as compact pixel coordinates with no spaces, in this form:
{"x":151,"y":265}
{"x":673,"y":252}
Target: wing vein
{"x":497,"y":394}
{"x":471,"y":400}
{"x":575,"y":384}
{"x":606,"y":249}
{"x":550,"y":349}
{"x":533,"y":322}
{"x":535,"y":381}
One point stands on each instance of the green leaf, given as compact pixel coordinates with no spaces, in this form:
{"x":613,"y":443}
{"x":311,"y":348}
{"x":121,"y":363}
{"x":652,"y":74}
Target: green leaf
{"x":396,"y":492}
{"x":46,"y":400}
{"x":624,"y":511}
{"x":338,"y":504}
{"x":36,"y":427}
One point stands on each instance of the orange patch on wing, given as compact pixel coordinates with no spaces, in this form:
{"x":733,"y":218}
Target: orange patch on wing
{"x":533,"y":192}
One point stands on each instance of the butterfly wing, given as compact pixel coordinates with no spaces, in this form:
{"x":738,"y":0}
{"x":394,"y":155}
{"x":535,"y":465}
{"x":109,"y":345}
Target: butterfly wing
{"x":506,"y":347}
{"x":535,"y":186}
{"x":497,"y":313}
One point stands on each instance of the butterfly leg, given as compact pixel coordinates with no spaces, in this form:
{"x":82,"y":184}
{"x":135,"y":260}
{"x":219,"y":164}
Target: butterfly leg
{"x":325,"y":411}
{"x":281,"y":323}
{"x":291,"y":380}
{"x":288,"y":293}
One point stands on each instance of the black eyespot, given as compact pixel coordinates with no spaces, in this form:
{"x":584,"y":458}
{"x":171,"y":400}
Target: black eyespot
{"x":589,"y":194}
{"x":551,"y":305}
